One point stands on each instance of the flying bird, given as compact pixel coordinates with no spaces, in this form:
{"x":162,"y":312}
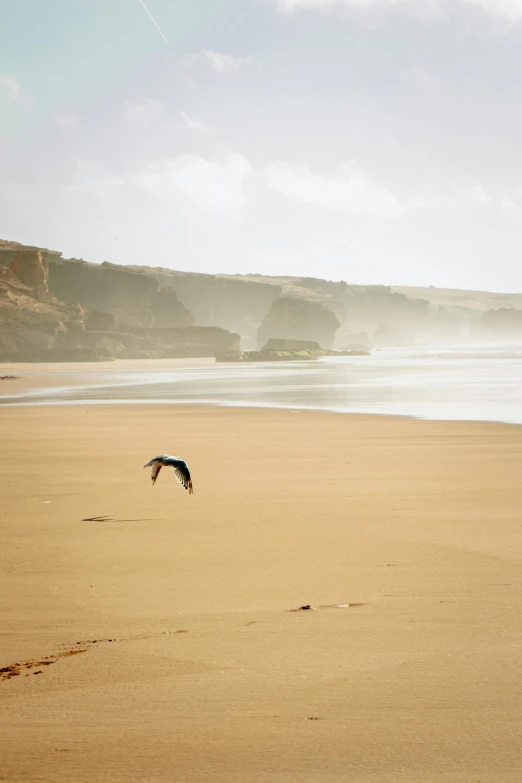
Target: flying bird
{"x":178,"y":465}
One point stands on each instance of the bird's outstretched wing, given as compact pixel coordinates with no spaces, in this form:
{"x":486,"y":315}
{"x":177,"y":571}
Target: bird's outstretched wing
{"x":182,"y":474}
{"x":157,"y":466}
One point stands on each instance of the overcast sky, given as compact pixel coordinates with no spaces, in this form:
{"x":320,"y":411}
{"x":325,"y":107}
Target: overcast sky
{"x":373,"y":141}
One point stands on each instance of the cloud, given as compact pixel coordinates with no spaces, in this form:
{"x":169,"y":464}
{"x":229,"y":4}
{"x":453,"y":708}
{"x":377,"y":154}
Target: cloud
{"x":215,"y":186}
{"x":472,"y":196}
{"x":92,"y":180}
{"x":511,"y":209}
{"x":222,"y":63}
{"x":14,"y":91}
{"x":143,"y":115}
{"x":420,"y":76}
{"x":509,"y":9}
{"x":65,"y":121}
{"x":352,"y":193}
{"x":195,"y":125}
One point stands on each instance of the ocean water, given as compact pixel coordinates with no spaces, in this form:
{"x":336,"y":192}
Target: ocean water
{"x":462,"y":382}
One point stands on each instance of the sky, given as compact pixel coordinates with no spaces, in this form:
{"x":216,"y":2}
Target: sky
{"x":371,"y":141}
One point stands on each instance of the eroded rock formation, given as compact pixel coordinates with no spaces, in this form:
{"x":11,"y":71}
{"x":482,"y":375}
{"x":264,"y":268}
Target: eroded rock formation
{"x":291,"y":318}
{"x":97,"y":321}
{"x":238,"y":305}
{"x":30,"y":317}
{"x":53,"y":309}
{"x":275,"y":344}
{"x":499,"y":324}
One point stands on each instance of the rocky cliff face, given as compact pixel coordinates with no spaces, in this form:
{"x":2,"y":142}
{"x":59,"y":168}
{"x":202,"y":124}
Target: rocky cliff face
{"x":100,"y":287}
{"x":179,"y":342}
{"x":193,"y":341}
{"x":96,"y":321}
{"x":390,"y":318}
{"x":503,"y":323}
{"x":31,"y":269}
{"x":30,"y":317}
{"x":298,"y":319}
{"x":166,"y":311}
{"x":235,"y":304}
{"x":279,"y":344}
{"x":132,"y":297}
{"x":53,"y":309}
{"x":385,"y":315}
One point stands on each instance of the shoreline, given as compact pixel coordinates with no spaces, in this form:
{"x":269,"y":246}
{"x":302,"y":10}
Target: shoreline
{"x":30,"y":386}
{"x":355,"y":387}
{"x":34,"y":376}
{"x":293,"y":409}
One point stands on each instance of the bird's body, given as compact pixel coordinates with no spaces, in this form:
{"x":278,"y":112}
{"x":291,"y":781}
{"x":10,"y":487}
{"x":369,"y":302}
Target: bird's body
{"x":178,"y":465}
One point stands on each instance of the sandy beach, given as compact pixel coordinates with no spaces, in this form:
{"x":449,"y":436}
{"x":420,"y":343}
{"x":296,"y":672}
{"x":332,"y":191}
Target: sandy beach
{"x":22,"y":377}
{"x":147,"y":635}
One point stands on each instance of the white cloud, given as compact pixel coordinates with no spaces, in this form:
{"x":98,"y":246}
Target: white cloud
{"x":195,"y":125}
{"x":65,"y":121}
{"x":511,"y":209}
{"x":420,"y":76}
{"x":353,"y":192}
{"x":222,"y":63}
{"x":510,"y":9}
{"x":94,"y":181}
{"x":511,"y":205}
{"x":14,"y":91}
{"x":215,"y":186}
{"x":473,"y":196}
{"x":328,"y":6}
{"x":144,"y":114}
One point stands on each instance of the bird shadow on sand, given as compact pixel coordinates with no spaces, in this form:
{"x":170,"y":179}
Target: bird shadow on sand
{"x":117,"y":519}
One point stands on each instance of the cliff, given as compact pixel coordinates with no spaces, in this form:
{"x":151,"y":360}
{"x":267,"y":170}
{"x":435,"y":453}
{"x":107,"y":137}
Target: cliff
{"x":56,"y":307}
{"x":377,"y":311}
{"x":30,"y":317}
{"x":180,"y":342}
{"x":503,"y":323}
{"x":390,"y":318}
{"x":238,"y":305}
{"x":291,"y":318}
{"x":53,"y":309}
{"x":134,"y":298}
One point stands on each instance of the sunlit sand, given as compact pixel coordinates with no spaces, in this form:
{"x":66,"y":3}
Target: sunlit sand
{"x":149,"y":635}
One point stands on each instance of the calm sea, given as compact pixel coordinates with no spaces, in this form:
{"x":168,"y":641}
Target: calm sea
{"x":480,"y":382}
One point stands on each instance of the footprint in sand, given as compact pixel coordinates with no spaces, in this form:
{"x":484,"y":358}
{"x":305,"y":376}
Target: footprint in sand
{"x":310,"y":608}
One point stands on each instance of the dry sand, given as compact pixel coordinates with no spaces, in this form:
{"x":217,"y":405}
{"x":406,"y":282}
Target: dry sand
{"x":146,"y":634}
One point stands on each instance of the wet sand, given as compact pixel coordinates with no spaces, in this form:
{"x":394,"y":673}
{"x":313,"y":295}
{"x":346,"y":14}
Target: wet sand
{"x":145,"y":634}
{"x":21,"y":377}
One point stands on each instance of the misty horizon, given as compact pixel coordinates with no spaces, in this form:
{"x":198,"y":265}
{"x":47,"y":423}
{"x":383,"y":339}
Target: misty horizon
{"x":370,"y":141}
